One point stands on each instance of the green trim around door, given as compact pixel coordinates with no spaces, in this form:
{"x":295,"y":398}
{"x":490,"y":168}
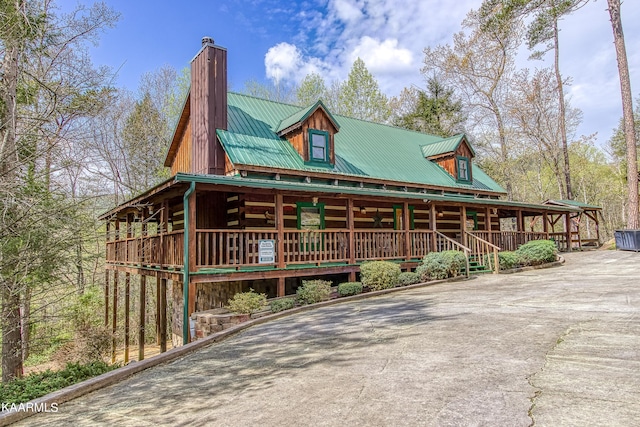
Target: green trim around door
{"x":399,"y":208}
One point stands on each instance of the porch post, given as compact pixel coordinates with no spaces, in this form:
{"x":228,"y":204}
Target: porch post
{"x":567,"y":222}
{"x":127,"y":289}
{"x":463,"y":225}
{"x":114,"y":318}
{"x":520,"y":225}
{"x":164,"y":229}
{"x":143,"y":310}
{"x":280,"y":249}
{"x":487,"y":224}
{"x":406,"y":220}
{"x":545,"y":223}
{"x":106,"y":297}
{"x":352,"y":246}
{"x":158,"y":309}
{"x":163,"y":315}
{"x":432,"y":226}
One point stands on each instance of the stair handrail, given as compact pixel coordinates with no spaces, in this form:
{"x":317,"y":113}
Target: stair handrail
{"x":496,"y":249}
{"x":464,"y":249}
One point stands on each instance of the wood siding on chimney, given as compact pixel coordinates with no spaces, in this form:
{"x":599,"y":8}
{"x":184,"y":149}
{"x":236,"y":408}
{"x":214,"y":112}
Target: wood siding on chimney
{"x":208,"y":109}
{"x":182,"y":160}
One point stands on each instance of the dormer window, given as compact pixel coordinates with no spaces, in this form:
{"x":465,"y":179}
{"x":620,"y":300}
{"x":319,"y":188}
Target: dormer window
{"x":318,"y":146}
{"x":464,"y":174}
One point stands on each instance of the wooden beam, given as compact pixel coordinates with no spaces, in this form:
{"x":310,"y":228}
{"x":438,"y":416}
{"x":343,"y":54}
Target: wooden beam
{"x":114,"y":319}
{"x":106,"y":297}
{"x":158,"y":310}
{"x":545,"y":222}
{"x":567,"y":223}
{"x":406,"y":222}
{"x":433,"y":221}
{"x":127,"y":289}
{"x":352,"y":235}
{"x":488,"y":224}
{"x":142,"y":320}
{"x":163,"y":315}
{"x":520,"y":221}
{"x":279,"y":211}
{"x":463,"y":224}
{"x":272,"y":274}
{"x":281,"y":287}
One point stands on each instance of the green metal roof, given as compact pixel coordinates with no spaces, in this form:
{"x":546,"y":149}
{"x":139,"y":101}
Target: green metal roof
{"x":301,"y":115}
{"x":448,"y":145}
{"x":362,"y":149}
{"x":573,"y":203}
{"x":364,"y":192}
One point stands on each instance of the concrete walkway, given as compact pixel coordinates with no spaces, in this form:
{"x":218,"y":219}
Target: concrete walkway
{"x":552,"y":347}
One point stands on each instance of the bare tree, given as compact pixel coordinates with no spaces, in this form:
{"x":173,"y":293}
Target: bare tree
{"x":478,"y":67}
{"x":627,"y":111}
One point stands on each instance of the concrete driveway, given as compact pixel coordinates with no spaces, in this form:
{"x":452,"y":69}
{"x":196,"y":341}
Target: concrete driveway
{"x":552,"y":347}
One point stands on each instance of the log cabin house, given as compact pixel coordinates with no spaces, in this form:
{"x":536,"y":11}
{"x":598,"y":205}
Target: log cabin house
{"x":264,"y":194}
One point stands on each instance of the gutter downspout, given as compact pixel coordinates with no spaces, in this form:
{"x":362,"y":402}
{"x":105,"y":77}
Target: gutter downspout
{"x":185,"y":268}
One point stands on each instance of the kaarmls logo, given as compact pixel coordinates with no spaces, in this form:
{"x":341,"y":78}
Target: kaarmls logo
{"x":29,"y":407}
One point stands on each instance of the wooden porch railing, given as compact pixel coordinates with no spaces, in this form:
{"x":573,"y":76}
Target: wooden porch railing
{"x":224,"y":248}
{"x":484,"y":251}
{"x":444,"y":243}
{"x":147,"y":250}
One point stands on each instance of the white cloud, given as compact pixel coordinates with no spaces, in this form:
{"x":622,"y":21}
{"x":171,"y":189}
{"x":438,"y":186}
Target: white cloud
{"x":390,"y":35}
{"x":383,"y":57}
{"x":282,"y":61}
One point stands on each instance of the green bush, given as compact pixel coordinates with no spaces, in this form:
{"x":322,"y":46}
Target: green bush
{"x":379,"y":274}
{"x":408,"y":278}
{"x":349,"y":288}
{"x":441,"y":265}
{"x":313,"y":291}
{"x":282,"y":304}
{"x":507,"y":259}
{"x":247,"y":302}
{"x":537,"y":252}
{"x":41,"y":383}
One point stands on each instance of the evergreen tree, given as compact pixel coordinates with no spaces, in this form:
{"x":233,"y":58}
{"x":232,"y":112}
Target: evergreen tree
{"x":436,"y":111}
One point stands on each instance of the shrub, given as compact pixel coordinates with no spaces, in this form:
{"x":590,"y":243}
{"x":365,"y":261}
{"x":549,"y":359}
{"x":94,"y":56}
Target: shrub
{"x":441,"y":265}
{"x":379,"y":274}
{"x":507,"y":259}
{"x":349,"y":288}
{"x":313,"y":291}
{"x":537,"y":252}
{"x":41,"y":383}
{"x":247,"y":302}
{"x":408,"y":278}
{"x":282,"y":304}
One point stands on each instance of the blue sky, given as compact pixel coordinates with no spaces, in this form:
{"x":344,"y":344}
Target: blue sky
{"x":269,"y":39}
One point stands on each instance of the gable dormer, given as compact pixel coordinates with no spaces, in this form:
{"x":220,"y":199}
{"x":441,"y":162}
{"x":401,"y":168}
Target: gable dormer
{"x":455,"y":155}
{"x":311,"y":132}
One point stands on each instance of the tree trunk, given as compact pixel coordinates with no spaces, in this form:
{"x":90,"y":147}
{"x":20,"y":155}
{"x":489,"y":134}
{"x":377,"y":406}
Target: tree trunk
{"x":11,"y":343}
{"x":25,"y":324}
{"x":561,"y":119}
{"x":627,"y":112}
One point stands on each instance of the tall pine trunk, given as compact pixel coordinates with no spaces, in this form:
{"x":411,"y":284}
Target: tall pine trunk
{"x":562,"y":119}
{"x":9,"y":289}
{"x":627,"y":112}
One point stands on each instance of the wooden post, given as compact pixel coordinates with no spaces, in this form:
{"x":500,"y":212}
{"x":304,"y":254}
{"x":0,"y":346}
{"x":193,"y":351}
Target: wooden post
{"x":487,"y":224}
{"x":164,"y":229}
{"x":433,"y":225}
{"x":463,"y":225}
{"x":567,"y":223}
{"x":127,"y":289}
{"x":114,"y":319}
{"x":143,"y":311}
{"x":352,"y":237}
{"x":158,"y":310}
{"x":280,"y":255}
{"x":406,"y":219}
{"x":163,"y":315}
{"x":192,"y":257}
{"x":106,"y":297}
{"x":545,"y":223}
